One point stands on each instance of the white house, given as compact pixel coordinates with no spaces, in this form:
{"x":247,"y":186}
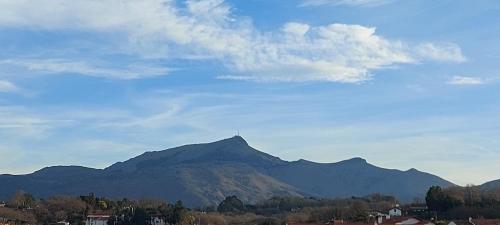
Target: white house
{"x":157,"y":221}
{"x":396,"y":211}
{"x":97,"y":220}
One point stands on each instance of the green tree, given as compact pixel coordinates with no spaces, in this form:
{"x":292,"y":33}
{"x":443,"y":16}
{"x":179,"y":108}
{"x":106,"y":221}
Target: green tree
{"x":231,"y":204}
{"x":434,"y":198}
{"x":141,"y":217}
{"x":440,"y":201}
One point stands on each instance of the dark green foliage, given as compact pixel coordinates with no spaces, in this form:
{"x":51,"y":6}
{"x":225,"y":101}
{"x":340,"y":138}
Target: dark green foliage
{"x":173,"y":214}
{"x":439,"y":201}
{"x":140,"y":213}
{"x":231,"y":204}
{"x":463,"y":202}
{"x":268,"y":221}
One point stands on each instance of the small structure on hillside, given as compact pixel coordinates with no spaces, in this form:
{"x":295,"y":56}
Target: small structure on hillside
{"x":94,"y":219}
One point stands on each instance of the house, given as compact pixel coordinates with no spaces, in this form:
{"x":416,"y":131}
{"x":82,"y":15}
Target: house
{"x":396,"y":211}
{"x":379,"y":217}
{"x":401,"y":220}
{"x":60,"y":223}
{"x":2,"y":204}
{"x":155,"y":220}
{"x":416,"y":209}
{"x":97,"y":219}
{"x":484,"y":221}
{"x":5,"y":221}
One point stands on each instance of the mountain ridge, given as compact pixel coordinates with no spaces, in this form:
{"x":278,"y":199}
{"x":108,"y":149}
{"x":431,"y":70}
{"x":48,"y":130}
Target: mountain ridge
{"x":491,"y":184}
{"x":203,"y":174}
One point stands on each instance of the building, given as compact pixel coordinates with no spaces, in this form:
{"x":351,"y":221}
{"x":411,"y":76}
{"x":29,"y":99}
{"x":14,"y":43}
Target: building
{"x":401,"y":220}
{"x":484,"y":221}
{"x":97,"y":220}
{"x":6,"y":221}
{"x":396,"y":211}
{"x":155,"y":220}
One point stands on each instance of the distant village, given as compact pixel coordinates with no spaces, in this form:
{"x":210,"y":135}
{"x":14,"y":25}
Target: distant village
{"x":452,"y":206}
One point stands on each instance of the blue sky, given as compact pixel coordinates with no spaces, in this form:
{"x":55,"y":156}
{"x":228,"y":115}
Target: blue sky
{"x":401,"y":83}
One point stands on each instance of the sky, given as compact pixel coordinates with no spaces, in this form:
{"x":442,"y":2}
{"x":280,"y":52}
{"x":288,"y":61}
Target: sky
{"x":402,"y":83}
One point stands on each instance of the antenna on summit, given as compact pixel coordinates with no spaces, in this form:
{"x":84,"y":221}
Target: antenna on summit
{"x":238,"y":133}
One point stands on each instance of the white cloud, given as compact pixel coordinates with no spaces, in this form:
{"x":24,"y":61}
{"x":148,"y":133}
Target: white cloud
{"x":442,"y":52}
{"x":362,"y":3}
{"x":7,"y":86}
{"x":55,"y":66}
{"x":465,"y":80}
{"x":207,"y":29}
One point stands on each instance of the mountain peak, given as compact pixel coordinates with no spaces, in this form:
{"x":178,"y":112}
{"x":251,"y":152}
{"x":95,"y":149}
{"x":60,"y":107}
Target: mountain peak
{"x":236,"y":140}
{"x":357,"y":160}
{"x":413,"y":170}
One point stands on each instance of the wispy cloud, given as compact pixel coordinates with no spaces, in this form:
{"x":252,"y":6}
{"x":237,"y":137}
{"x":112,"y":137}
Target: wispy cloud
{"x":362,"y":3}
{"x":208,"y":29}
{"x":441,"y":52}
{"x":56,"y":66}
{"x":22,"y":125}
{"x":8,"y":87}
{"x":466,"y":80}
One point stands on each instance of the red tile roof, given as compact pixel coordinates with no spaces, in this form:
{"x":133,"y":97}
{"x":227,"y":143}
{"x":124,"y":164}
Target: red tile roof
{"x":486,"y":221}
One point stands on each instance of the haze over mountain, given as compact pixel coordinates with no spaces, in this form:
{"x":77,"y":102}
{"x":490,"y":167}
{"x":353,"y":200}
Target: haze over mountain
{"x":202,"y":174}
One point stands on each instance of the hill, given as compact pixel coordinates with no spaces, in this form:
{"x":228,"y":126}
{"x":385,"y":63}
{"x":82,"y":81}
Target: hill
{"x":491,"y":185}
{"x":202,"y":174}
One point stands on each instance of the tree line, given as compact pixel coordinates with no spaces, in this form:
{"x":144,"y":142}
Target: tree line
{"x":23,"y":208}
{"x":463,"y":202}
{"x":443,"y":203}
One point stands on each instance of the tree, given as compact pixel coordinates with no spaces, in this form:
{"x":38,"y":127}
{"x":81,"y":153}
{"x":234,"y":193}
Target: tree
{"x":61,"y":208}
{"x":439,"y":201}
{"x":433,"y":198}
{"x":359,"y":211}
{"x":231,"y":204}
{"x":141,"y":217}
{"x":22,"y":200}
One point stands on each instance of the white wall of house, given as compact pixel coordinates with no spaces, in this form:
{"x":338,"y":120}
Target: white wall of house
{"x":157,"y":221}
{"x":96,"y":221}
{"x":395,"y":212}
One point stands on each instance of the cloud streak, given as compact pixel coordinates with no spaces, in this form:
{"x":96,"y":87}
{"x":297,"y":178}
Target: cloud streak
{"x":57,"y":66}
{"x":465,"y":80}
{"x":208,"y":29}
{"x":8,"y":87}
{"x":361,"y":3}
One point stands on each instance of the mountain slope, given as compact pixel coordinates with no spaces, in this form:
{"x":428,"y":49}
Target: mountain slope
{"x":356,"y":177}
{"x":201,"y":174}
{"x":491,"y":185}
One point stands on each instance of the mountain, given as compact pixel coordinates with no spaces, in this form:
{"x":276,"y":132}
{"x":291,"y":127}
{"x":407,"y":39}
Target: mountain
{"x":491,"y":185}
{"x":201,"y":174}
